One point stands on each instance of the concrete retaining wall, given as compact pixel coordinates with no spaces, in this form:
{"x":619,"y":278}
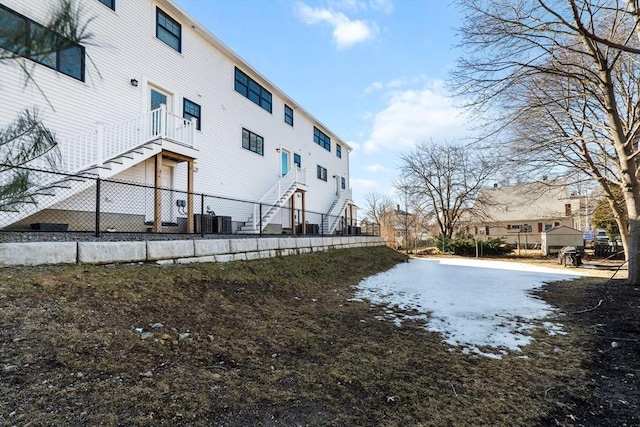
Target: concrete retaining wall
{"x":173,"y":251}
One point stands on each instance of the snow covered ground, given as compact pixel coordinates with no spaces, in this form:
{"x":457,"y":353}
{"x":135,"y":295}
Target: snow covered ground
{"x":472,"y":303}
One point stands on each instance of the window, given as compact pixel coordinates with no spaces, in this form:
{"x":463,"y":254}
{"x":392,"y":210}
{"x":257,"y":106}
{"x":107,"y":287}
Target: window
{"x":321,"y":139}
{"x":31,"y":40}
{"x":191,"y":110}
{"x":567,"y":209}
{"x":288,"y":115}
{"x":252,"y":142}
{"x":339,"y":150}
{"x":343,"y":183}
{"x":109,"y":3}
{"x":168,"y":30}
{"x":248,"y":87}
{"x":297,"y":160}
{"x":322,"y":173}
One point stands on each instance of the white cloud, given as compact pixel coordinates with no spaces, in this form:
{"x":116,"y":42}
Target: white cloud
{"x":415,"y":116}
{"x":399,"y":83}
{"x":375,"y":168}
{"x":346,"y":32}
{"x":373,"y":87}
{"x":361,"y":184}
{"x":353,"y":145}
{"x":384,"y":5}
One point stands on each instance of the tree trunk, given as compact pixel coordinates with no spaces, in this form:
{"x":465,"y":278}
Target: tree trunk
{"x":633,"y":255}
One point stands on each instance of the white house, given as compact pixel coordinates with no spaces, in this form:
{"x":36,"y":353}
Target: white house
{"x":157,"y":99}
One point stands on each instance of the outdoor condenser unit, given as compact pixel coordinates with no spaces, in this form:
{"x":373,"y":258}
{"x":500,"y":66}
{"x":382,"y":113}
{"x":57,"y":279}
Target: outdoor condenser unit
{"x":207,"y":227}
{"x":212,"y":224}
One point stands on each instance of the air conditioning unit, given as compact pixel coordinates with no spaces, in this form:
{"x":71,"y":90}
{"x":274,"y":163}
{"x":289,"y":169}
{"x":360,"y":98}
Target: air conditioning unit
{"x":207,"y":226}
{"x":212,"y":224}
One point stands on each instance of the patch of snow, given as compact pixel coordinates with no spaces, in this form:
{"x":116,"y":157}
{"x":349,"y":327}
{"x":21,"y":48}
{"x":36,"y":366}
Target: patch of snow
{"x":474,"y":304}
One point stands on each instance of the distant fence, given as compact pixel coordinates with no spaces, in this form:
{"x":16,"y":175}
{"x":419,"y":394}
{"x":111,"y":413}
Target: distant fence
{"x":86,"y":203}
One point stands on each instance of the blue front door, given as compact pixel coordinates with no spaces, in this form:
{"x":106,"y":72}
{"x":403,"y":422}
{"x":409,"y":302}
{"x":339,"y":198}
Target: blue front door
{"x":284,"y":156}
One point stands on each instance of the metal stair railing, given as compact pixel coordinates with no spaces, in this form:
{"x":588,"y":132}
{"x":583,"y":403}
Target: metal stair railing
{"x":333,"y":216}
{"x":273,"y":199}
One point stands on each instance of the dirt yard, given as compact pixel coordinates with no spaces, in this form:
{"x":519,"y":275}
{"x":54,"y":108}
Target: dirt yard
{"x":279,"y":342}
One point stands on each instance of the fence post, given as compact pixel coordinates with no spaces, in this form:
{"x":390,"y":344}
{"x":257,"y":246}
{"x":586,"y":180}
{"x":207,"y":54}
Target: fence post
{"x":322,"y":224}
{"x":97,"y":230}
{"x":202,"y":215}
{"x":260,"y":218}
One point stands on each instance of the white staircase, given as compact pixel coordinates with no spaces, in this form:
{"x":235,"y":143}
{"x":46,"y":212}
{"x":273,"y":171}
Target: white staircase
{"x":273,"y":201}
{"x":332,"y":218}
{"x":103,"y":152}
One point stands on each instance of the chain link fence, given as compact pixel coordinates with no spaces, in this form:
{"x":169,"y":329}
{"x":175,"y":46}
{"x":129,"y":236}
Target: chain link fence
{"x":88,"y":204}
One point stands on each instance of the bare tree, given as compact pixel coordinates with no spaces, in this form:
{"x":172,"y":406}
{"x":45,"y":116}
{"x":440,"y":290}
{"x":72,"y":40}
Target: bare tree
{"x":445,"y":179}
{"x":27,"y":138}
{"x":561,"y":79}
{"x":378,"y":210}
{"x":377,"y":204}
{"x":419,"y":214}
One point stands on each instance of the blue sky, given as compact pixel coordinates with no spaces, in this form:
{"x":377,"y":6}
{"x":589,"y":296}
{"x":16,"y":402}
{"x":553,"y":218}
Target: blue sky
{"x":372,"y":71}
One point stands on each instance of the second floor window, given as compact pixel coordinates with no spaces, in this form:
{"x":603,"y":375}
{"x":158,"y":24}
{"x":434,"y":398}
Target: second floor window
{"x":322,"y":173}
{"x":191,"y":110}
{"x":252,"y":142}
{"x":297,"y":160}
{"x":168,"y":30}
{"x":28,"y":39}
{"x":109,"y":3}
{"x":343,"y":183}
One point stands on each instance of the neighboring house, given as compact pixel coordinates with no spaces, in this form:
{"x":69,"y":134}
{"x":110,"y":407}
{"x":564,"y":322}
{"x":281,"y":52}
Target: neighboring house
{"x":157,"y":99}
{"x":521,"y":213}
{"x":401,"y":229}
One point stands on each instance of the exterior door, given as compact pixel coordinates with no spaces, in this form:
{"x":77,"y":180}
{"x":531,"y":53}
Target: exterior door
{"x":158,"y":97}
{"x":284,"y":162}
{"x":336,"y":178}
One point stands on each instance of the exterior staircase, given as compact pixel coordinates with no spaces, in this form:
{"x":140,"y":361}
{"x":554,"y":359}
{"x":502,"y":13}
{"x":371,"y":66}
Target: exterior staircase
{"x":332,"y":218}
{"x":273,"y":201}
{"x":102,"y":153}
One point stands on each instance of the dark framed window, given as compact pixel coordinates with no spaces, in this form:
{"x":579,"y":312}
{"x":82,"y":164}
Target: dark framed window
{"x":322,"y":173}
{"x":26,"y":38}
{"x":321,"y":139}
{"x":343,"y":183}
{"x":248,"y":87}
{"x":288,"y":114}
{"x":339,"y":150}
{"x":252,"y":142}
{"x":168,"y":30}
{"x":191,"y":110}
{"x":111,"y":4}
{"x":297,"y":160}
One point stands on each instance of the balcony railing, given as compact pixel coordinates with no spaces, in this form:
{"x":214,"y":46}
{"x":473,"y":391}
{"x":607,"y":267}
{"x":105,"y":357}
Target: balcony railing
{"x":109,"y":142}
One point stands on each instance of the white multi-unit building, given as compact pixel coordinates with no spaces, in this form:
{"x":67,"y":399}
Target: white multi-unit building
{"x":155,"y":98}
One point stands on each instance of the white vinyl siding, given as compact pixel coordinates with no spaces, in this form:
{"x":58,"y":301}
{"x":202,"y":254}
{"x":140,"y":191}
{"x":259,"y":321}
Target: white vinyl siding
{"x":207,"y":76}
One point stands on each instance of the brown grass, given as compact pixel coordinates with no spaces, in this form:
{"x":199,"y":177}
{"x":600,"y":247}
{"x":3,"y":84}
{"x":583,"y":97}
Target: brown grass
{"x":271,"y":342}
